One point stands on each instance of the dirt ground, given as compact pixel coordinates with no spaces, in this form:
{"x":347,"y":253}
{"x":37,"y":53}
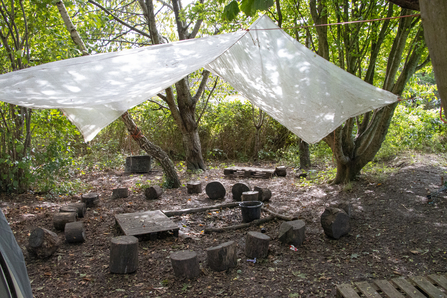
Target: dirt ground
{"x":396,"y":231}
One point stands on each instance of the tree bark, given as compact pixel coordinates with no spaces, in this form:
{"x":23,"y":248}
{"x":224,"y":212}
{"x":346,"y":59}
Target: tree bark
{"x":304,"y":155}
{"x":434,"y":19}
{"x":71,"y":28}
{"x":153,"y":150}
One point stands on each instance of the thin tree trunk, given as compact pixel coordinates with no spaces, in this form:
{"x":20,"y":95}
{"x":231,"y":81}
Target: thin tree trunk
{"x":304,"y":155}
{"x":71,"y":28}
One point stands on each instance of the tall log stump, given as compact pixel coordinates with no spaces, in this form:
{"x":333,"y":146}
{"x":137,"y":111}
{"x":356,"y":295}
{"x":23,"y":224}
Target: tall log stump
{"x":81,"y":209}
{"x":75,"y":232}
{"x":281,"y":171}
{"x":256,"y":245}
{"x":138,"y":164}
{"x":346,"y":207}
{"x":185,"y":264}
{"x":153,"y":192}
{"x":238,"y":189}
{"x":223,"y":256}
{"x":122,"y":192}
{"x":194,"y":187}
{"x":90,"y":199}
{"x":264,"y":194}
{"x":123,"y":254}
{"x":292,"y":232}
{"x":335,"y":222}
{"x":250,"y":196}
{"x":61,"y":218}
{"x":42,"y":243}
{"x":215,"y":190}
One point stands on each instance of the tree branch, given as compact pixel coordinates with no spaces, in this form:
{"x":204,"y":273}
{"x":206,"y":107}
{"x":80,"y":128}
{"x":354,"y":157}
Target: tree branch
{"x":202,"y":86}
{"x":206,"y":103}
{"x":118,"y":19}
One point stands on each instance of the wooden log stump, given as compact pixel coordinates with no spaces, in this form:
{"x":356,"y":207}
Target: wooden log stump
{"x":194,"y":187}
{"x":80,"y":207}
{"x":90,"y":199}
{"x":238,"y":189}
{"x":69,"y":208}
{"x":138,"y":164}
{"x":281,"y":171}
{"x":123,"y":254}
{"x":335,"y":222}
{"x":122,"y":192}
{"x":256,"y":245}
{"x":292,"y":232}
{"x":215,"y":190}
{"x":250,"y":196}
{"x":61,"y":218}
{"x":346,"y":207}
{"x":185,"y":264}
{"x":42,"y":243}
{"x":264,"y":194}
{"x":223,"y":256}
{"x":153,"y":192}
{"x":75,"y":232}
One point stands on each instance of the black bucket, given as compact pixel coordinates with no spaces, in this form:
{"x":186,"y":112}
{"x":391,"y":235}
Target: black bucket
{"x":251,"y":210}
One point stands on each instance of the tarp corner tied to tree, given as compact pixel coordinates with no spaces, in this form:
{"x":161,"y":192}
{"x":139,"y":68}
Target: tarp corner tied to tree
{"x":301,"y":90}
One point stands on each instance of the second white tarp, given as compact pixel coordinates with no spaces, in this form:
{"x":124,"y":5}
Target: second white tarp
{"x":304,"y":92}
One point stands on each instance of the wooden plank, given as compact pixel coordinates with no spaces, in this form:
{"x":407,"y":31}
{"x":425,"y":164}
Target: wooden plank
{"x":439,"y":279}
{"x":367,"y":289}
{"x":427,"y":287}
{"x":346,"y":291}
{"x":144,"y":223}
{"x":408,"y":288}
{"x":388,"y":289}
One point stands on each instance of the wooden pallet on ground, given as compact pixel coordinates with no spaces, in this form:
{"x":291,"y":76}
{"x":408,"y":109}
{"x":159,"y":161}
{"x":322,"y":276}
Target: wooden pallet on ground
{"x":412,"y":287}
{"x":147,"y":223}
{"x":248,"y":172}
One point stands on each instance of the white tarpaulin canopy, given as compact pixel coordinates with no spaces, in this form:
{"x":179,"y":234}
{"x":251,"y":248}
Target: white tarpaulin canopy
{"x":304,"y":92}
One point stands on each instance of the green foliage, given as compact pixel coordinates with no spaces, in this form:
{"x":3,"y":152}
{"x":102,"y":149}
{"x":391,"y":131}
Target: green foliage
{"x":248,"y":7}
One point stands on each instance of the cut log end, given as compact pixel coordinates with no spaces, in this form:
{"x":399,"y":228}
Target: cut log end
{"x":335,"y":222}
{"x":215,"y":190}
{"x":42,"y":243}
{"x":238,"y":189}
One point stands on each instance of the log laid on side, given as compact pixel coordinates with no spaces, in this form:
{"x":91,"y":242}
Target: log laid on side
{"x":185,"y":264}
{"x":153,"y":192}
{"x":90,"y":199}
{"x":69,"y":208}
{"x":42,"y":243}
{"x":61,"y":218}
{"x":256,"y":245}
{"x":123,"y":254}
{"x":75,"y":232}
{"x":335,"y":222}
{"x":238,"y":189}
{"x":81,"y":208}
{"x":194,"y":187}
{"x":215,"y":190}
{"x":264,"y":194}
{"x":223,"y":256}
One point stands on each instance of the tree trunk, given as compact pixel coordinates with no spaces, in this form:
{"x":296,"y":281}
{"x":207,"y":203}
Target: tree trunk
{"x":153,"y":150}
{"x":193,"y":150}
{"x":304,"y":155}
{"x":434,"y":19}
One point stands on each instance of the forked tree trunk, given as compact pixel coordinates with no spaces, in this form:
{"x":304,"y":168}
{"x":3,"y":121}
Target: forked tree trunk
{"x":353,"y":151}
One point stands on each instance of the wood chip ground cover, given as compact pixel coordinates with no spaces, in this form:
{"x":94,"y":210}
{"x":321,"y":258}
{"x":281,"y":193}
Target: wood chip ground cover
{"x":395,"y":232}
